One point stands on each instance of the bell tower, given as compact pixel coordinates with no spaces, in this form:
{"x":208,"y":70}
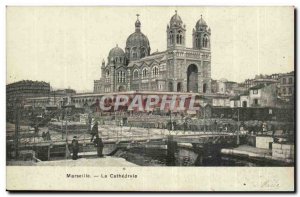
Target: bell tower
{"x":175,"y":32}
{"x":201,"y":35}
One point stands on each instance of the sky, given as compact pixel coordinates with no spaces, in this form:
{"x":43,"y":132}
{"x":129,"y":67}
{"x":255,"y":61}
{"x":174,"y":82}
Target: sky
{"x":66,"y":45}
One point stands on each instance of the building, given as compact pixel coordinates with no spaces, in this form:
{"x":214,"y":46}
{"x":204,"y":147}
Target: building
{"x":57,"y":98}
{"x":220,"y":101}
{"x":18,"y":92}
{"x":235,"y":101}
{"x":63,"y":92}
{"x":223,"y":86}
{"x":258,"y":96}
{"x":259,"y":81}
{"x":25,"y":89}
{"x":263,"y":95}
{"x":43,"y":102}
{"x":177,"y":69}
{"x":287,"y":85}
{"x":284,"y":82}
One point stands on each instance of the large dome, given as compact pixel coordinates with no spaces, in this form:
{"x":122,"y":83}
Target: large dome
{"x":176,"y":20}
{"x":137,"y":44}
{"x":137,"y":39}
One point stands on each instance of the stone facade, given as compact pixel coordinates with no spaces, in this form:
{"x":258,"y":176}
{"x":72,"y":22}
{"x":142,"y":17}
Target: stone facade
{"x":263,"y":96}
{"x":287,"y":85}
{"x":177,"y":69}
{"x":258,"y":96}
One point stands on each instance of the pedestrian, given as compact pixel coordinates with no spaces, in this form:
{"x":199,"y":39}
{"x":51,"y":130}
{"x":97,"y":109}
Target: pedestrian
{"x":94,"y":131}
{"x":48,"y":136}
{"x":89,"y":122}
{"x":75,"y":148}
{"x":36,"y":129}
{"x":44,"y":136}
{"x":99,"y":144}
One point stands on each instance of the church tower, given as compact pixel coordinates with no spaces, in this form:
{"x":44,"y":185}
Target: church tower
{"x":201,"y":35}
{"x":175,"y":32}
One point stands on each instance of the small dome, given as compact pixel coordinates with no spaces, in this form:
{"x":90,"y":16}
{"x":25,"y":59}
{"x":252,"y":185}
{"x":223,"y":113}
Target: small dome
{"x":176,"y":20}
{"x":201,"y":23}
{"x":116,"y":52}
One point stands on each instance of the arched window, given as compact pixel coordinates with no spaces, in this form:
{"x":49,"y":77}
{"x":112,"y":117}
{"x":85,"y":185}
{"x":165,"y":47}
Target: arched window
{"x":107,"y":74}
{"x":204,"y":88}
{"x":143,"y":52}
{"x":177,"y":39}
{"x":205,"y":41}
{"x":134,"y":53}
{"x":171,"y":37}
{"x":284,"y":91}
{"x":155,"y":71}
{"x":198,"y":41}
{"x":118,"y":77}
{"x":144,"y":73}
{"x":121,"y":77}
{"x":135,"y":74}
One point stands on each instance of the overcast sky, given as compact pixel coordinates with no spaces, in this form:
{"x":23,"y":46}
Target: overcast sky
{"x":65,"y":45}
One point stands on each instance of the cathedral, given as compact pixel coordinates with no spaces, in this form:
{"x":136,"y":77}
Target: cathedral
{"x":177,"y":69}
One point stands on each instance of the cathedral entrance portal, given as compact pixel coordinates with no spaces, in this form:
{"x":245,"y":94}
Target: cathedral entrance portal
{"x":192,"y":78}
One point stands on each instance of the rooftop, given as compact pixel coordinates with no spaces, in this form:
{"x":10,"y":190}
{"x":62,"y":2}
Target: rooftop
{"x":257,"y":87}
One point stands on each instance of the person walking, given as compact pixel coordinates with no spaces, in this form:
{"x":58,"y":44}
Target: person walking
{"x":75,"y":148}
{"x":99,"y":144}
{"x":89,"y":122}
{"x":94,"y":131}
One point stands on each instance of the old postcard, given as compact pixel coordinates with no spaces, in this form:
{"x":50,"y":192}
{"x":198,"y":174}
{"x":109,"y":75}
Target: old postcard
{"x":150,"y":98}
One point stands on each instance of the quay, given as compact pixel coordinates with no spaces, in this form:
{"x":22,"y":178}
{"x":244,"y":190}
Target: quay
{"x":59,"y":147}
{"x":180,"y":147}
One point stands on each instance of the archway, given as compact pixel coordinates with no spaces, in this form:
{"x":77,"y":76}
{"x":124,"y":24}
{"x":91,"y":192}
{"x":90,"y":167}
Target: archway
{"x":170,"y":86}
{"x":204,"y":88}
{"x":192,"y":78}
{"x":244,"y":103}
{"x":121,"y":89}
{"x":179,"y":87}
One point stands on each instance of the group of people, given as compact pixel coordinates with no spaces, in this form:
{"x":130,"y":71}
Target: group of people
{"x":98,"y":143}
